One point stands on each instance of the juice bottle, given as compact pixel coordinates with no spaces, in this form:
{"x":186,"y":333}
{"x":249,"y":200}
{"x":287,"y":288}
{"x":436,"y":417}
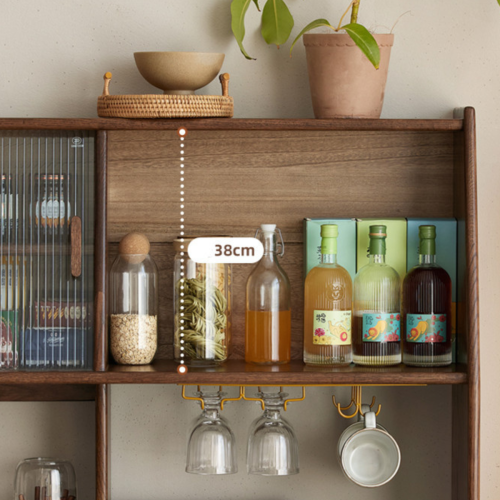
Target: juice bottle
{"x":328,"y":307}
{"x":268,"y":319}
{"x":376,"y":332}
{"x":427,"y":308}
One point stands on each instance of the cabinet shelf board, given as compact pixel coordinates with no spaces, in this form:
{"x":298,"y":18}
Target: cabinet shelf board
{"x":236,"y":372}
{"x":229,"y":124}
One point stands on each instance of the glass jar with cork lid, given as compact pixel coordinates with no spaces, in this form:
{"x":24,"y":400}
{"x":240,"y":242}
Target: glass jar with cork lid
{"x":133,"y":304}
{"x":202,"y":308}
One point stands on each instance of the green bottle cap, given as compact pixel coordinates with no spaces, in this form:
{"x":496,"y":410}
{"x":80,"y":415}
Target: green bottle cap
{"x":427,"y":235}
{"x":427,"y":232}
{"x":329,"y":231}
{"x":378,"y":231}
{"x":329,"y":234}
{"x":377,"y":234}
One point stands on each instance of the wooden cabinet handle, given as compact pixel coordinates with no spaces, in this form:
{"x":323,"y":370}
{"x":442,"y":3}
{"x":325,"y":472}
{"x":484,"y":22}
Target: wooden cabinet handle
{"x":76,"y":246}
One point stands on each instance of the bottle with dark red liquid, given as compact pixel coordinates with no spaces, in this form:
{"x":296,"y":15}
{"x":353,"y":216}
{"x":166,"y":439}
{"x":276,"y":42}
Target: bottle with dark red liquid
{"x":426,"y":324}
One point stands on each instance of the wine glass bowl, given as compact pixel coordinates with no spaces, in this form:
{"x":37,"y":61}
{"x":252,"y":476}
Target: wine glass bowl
{"x":211,"y":446}
{"x":45,"y":478}
{"x":272,"y":444}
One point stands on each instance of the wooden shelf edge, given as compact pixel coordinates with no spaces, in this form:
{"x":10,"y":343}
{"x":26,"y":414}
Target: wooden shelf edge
{"x":230,"y":124}
{"x":239,"y":373}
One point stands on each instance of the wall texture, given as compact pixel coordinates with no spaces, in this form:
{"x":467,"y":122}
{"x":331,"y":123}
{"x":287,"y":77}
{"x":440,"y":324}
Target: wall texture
{"x":53,"y":54}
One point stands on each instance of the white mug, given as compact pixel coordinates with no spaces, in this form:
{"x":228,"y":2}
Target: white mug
{"x":368,"y":454}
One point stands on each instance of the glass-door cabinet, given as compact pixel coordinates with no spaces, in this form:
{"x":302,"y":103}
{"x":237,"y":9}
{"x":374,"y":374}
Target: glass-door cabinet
{"x":46,"y":249}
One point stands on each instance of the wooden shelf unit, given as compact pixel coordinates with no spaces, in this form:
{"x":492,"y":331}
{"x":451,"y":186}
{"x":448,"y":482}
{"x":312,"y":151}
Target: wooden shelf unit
{"x":311,"y":168}
{"x":237,"y":372}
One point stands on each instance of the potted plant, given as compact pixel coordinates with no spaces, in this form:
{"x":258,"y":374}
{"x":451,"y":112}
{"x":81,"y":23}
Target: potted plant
{"x":347,"y":71}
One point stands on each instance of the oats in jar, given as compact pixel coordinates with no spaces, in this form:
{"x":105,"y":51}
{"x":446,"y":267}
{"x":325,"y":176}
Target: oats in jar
{"x":133,"y":338}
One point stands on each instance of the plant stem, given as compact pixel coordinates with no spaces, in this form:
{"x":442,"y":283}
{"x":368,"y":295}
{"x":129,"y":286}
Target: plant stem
{"x":345,"y":13}
{"x":354,"y":13}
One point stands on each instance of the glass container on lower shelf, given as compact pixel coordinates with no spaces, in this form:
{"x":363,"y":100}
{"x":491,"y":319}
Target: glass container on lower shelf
{"x":211,"y":446}
{"x":272,"y":448}
{"x":427,"y":308}
{"x":202,"y":309}
{"x":328,"y":307}
{"x":45,"y":478}
{"x":268,"y":319}
{"x":376,"y":332}
{"x":133,"y":304}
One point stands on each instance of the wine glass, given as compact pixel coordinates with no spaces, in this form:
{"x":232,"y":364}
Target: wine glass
{"x":272,"y":445}
{"x":211,"y":445}
{"x":43,"y":478}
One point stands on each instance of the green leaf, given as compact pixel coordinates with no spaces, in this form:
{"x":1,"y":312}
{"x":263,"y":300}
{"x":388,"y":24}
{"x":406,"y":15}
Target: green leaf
{"x":256,"y":2}
{"x":277,"y":22}
{"x":365,"y":41}
{"x":238,"y":10}
{"x":315,"y":24}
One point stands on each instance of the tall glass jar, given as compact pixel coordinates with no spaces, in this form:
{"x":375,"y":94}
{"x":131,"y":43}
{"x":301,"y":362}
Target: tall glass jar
{"x":44,"y":478}
{"x":133,"y":306}
{"x":202,"y":309}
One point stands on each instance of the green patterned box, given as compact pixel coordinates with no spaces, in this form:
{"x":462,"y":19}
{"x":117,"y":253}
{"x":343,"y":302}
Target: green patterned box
{"x":395,"y":243}
{"x":346,"y":243}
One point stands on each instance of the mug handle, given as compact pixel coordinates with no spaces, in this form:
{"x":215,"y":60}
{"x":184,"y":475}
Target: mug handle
{"x":370,"y":420}
{"x":365,"y":408}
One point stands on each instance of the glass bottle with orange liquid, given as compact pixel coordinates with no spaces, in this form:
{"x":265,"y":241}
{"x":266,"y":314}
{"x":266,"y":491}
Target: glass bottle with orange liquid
{"x":268,"y":321}
{"x":328,"y":307}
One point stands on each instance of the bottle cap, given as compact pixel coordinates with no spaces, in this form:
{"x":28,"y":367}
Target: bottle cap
{"x":329,"y":234}
{"x":329,"y":231}
{"x":378,"y":234}
{"x":268,"y":228}
{"x":427,"y":236}
{"x":427,"y":232}
{"x":378,"y":231}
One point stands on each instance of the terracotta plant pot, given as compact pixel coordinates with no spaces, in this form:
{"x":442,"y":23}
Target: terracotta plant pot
{"x":344,"y":83}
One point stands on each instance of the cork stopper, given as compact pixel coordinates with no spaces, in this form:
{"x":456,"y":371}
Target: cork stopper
{"x":134,"y":247}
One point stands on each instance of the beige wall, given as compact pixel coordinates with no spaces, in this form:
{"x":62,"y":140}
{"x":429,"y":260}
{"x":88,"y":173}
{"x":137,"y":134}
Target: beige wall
{"x":53,"y":54}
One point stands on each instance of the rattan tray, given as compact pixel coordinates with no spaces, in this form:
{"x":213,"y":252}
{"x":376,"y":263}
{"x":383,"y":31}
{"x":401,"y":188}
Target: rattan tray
{"x":165,"y":106}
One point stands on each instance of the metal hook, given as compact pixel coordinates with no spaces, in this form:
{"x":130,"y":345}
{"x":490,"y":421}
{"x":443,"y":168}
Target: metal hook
{"x":282,"y":243}
{"x":231,"y":399}
{"x":356,"y":400}
{"x":293,"y":400}
{"x":372,"y":404}
{"x":246,"y":398}
{"x":192,"y":398}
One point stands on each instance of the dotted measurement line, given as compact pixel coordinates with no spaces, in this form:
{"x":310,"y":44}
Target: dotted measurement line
{"x":182,"y":132}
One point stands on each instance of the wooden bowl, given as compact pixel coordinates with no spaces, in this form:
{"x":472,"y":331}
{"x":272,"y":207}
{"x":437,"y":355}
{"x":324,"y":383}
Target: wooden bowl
{"x":179,"y":72}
